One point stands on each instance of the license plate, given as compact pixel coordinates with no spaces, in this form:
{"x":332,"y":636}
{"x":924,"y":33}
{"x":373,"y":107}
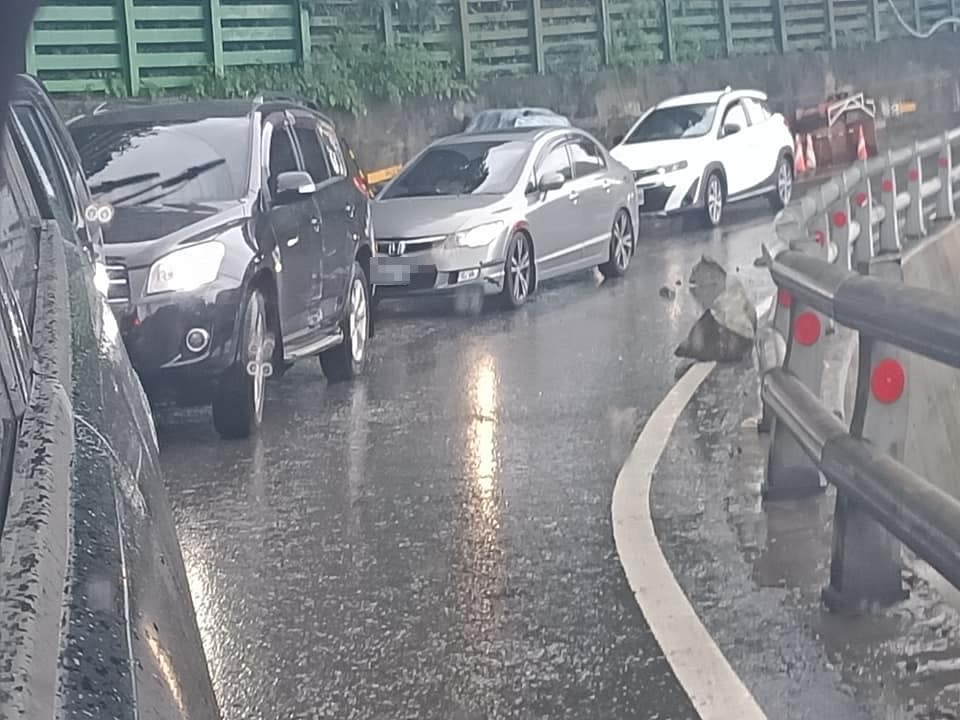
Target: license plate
{"x":640,"y":197}
{"x":385,"y":272}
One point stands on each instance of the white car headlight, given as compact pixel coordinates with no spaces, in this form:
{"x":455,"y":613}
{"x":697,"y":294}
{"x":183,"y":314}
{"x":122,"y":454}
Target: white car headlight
{"x":186,"y":269}
{"x":479,"y":236}
{"x":673,"y":167}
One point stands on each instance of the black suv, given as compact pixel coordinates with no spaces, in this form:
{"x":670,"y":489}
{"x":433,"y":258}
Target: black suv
{"x":240,"y":242}
{"x":96,"y":619}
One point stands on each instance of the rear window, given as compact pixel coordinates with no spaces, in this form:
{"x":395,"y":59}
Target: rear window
{"x":467,"y":168}
{"x":191,"y":163}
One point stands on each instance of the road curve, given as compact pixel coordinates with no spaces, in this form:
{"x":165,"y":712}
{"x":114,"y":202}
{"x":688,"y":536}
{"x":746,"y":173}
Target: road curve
{"x":434,"y":541}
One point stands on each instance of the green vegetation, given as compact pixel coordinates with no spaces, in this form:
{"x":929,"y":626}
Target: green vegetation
{"x":343,"y":76}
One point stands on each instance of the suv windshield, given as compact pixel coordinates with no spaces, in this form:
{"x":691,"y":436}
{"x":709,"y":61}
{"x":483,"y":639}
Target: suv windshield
{"x":673,"y":123}
{"x":489,"y":167}
{"x":189,"y":163}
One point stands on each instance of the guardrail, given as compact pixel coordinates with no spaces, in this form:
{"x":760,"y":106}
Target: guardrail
{"x":836,"y":258}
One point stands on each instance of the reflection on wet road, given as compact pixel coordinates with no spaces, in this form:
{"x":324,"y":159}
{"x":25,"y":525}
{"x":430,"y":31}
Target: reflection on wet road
{"x":434,"y":540}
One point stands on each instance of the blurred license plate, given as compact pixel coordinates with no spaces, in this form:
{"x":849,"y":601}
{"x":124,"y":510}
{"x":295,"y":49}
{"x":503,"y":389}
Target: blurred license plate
{"x":386,"y":272}
{"x":640,"y":197}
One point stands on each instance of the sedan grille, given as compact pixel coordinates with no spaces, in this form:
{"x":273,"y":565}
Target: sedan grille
{"x":395,"y":247}
{"x":119,"y":288}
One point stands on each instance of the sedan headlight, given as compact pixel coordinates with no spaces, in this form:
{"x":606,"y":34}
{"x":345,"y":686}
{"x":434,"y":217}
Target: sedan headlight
{"x":186,"y":269}
{"x":479,"y":236}
{"x":673,"y":167}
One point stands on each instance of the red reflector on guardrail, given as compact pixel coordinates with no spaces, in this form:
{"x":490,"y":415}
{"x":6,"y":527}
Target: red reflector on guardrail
{"x":806,"y":330}
{"x":887,"y":186}
{"x":861,"y":199}
{"x":820,"y":237}
{"x":784,"y":298}
{"x":913,"y":175}
{"x":887,"y":381}
{"x":839,"y":219}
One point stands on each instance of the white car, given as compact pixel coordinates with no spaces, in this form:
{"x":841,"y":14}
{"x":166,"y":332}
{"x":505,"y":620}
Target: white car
{"x":699,"y":152}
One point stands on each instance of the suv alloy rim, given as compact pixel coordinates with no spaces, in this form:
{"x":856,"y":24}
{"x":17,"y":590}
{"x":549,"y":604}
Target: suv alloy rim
{"x":714,"y":199}
{"x":358,"y":320}
{"x":785,"y":182}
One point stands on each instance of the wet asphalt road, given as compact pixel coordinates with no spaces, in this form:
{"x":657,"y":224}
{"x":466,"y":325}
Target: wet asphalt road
{"x":434,"y":540}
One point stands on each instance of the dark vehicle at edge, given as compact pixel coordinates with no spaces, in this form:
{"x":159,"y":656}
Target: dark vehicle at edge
{"x":97,"y":620}
{"x":241,"y":242}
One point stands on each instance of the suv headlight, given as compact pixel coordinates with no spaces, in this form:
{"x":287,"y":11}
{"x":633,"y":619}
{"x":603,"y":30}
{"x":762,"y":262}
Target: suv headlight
{"x":673,"y":167}
{"x":479,"y":236}
{"x":186,"y":269}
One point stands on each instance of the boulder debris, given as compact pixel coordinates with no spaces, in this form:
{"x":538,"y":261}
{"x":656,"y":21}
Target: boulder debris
{"x":707,"y":280}
{"x":726,"y":330}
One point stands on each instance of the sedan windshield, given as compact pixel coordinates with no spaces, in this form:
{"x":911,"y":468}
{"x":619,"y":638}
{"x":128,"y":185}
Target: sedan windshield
{"x":488,"y":167}
{"x":190,"y":163}
{"x":673,"y":123}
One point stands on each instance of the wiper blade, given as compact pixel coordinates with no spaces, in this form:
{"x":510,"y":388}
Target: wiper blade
{"x":109,"y":185}
{"x":189,"y":174}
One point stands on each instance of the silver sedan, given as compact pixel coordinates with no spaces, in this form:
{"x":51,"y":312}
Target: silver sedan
{"x":499,"y":212}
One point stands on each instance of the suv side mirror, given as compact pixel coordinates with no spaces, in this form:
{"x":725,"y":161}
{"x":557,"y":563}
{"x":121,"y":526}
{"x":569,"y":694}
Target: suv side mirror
{"x":552,"y":181}
{"x":293,"y":185}
{"x":730,"y":129}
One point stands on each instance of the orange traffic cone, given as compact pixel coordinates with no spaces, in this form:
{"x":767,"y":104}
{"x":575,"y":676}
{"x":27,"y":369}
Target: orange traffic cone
{"x":799,"y":164}
{"x":811,"y":156}
{"x":861,"y":145}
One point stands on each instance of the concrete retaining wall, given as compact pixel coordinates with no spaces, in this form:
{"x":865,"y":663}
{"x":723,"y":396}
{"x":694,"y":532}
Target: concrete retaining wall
{"x":933,"y":436}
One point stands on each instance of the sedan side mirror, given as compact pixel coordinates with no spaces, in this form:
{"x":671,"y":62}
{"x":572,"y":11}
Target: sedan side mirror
{"x":617,"y":139}
{"x":730,"y":129}
{"x":552,"y":181}
{"x":294,"y":185}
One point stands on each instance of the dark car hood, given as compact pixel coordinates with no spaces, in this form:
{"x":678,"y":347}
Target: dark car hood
{"x":139,"y":234}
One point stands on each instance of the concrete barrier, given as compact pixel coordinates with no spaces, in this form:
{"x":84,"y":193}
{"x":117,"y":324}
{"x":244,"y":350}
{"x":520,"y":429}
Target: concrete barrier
{"x":933,"y":430}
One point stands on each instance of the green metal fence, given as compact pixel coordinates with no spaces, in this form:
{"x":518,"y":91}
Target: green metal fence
{"x":132,"y":45}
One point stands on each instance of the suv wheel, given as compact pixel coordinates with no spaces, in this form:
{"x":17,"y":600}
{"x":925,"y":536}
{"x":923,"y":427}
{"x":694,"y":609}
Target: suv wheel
{"x":713,"y":200}
{"x":780,"y":197}
{"x":238,"y":401}
{"x":346,"y":360}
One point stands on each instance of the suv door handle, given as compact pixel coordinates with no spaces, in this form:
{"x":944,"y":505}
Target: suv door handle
{"x":351,"y":210}
{"x":574,"y":196}
{"x":315,"y":223}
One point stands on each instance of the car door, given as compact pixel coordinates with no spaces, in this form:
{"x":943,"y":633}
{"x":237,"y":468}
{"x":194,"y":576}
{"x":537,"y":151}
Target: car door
{"x":765,"y":137}
{"x":296,"y":230}
{"x":333,"y":201}
{"x":553,"y":216}
{"x":596,"y":199}
{"x":734,"y":149}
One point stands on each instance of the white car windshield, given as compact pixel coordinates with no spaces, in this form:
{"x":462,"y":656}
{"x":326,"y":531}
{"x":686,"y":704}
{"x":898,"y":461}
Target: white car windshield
{"x":673,"y":123}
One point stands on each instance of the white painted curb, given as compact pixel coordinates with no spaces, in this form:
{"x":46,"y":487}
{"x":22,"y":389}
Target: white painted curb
{"x":709,"y":681}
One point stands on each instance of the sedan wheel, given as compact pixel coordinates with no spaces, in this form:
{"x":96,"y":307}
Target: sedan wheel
{"x":622,"y":246}
{"x":714,"y":200}
{"x":518,"y":271}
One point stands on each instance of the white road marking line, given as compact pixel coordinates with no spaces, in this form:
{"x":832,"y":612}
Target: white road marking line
{"x":713,"y":687}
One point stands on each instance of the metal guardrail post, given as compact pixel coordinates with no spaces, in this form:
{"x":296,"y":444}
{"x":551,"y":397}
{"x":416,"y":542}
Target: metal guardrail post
{"x":915,"y":226}
{"x":863,"y":250}
{"x":890,"y":227}
{"x":865,"y":561}
{"x":790,"y":471}
{"x":945,"y":210}
{"x":841,"y":228}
